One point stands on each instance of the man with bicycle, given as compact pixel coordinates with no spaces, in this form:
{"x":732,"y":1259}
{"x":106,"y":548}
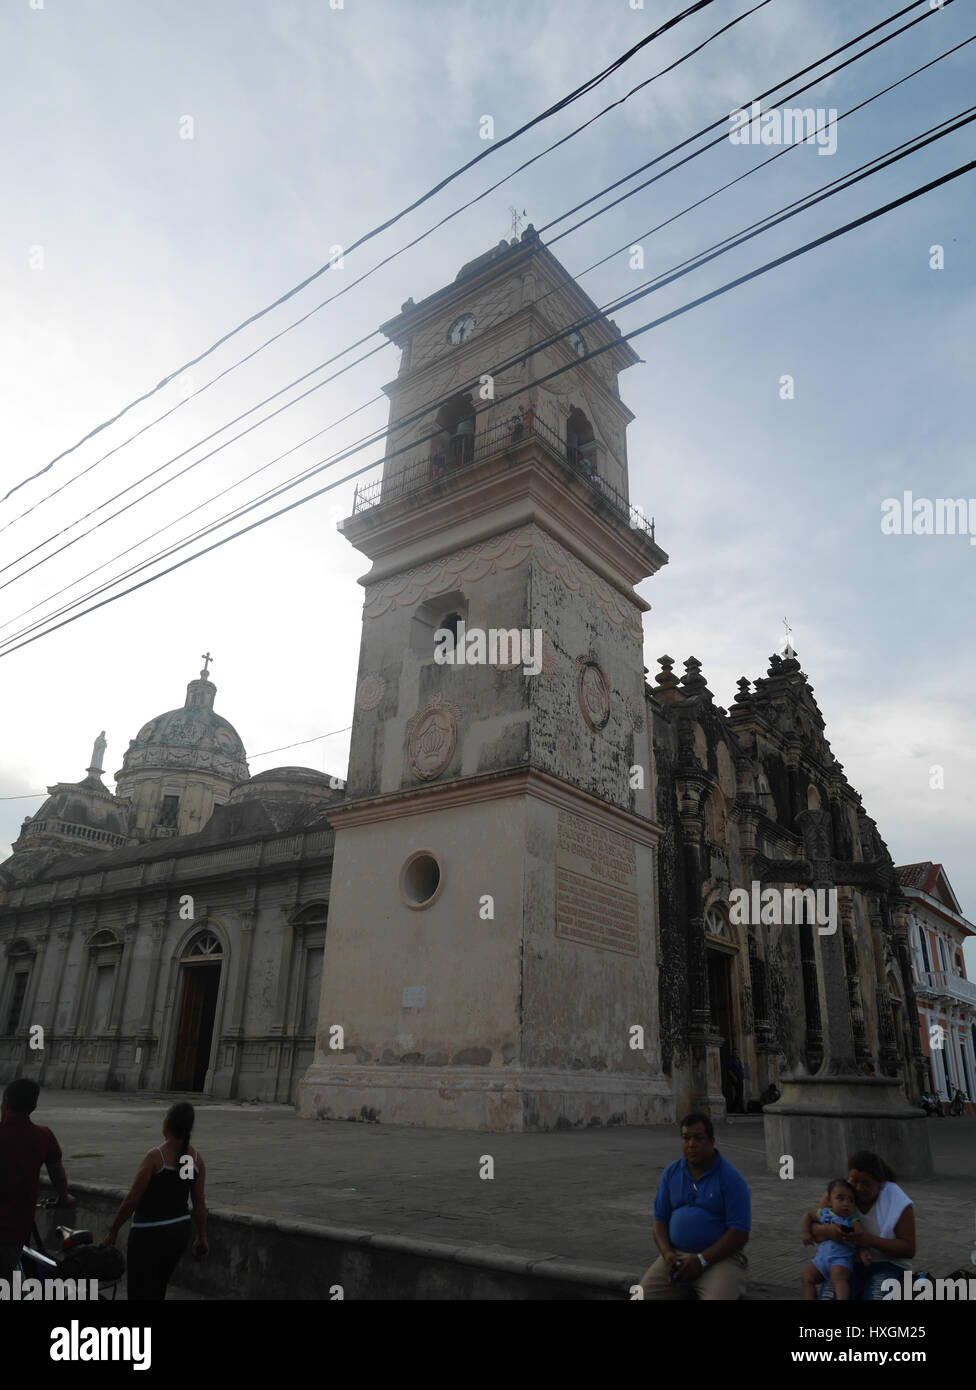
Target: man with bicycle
{"x":24,"y":1149}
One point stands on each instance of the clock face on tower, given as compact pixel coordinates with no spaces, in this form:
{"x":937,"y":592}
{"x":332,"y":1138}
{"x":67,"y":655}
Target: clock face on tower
{"x":577,"y":343}
{"x":461,"y":329}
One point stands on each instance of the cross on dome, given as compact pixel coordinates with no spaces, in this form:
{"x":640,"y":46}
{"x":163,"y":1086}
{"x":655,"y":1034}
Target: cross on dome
{"x":206,"y":658}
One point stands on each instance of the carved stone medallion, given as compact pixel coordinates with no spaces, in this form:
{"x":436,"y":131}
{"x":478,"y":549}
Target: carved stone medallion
{"x":431,"y":737}
{"x":593,"y":693}
{"x":371,"y":690}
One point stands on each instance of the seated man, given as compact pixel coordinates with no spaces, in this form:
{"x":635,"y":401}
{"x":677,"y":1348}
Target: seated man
{"x":701,"y":1222}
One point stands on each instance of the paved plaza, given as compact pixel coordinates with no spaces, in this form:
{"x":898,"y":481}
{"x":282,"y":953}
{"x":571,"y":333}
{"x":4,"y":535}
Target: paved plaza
{"x":585,"y":1195}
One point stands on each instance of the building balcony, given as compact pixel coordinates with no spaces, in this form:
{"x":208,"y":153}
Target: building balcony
{"x":464,"y":452}
{"x":947,"y":986}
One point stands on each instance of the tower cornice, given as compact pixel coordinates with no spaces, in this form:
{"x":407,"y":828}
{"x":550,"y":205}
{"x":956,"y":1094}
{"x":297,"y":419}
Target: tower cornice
{"x":514,"y":488}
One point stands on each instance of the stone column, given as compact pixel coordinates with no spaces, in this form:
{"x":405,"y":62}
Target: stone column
{"x":77,"y":1003}
{"x":916,"y":1061}
{"x":862,"y":1052}
{"x":64,"y":935}
{"x":117,"y":1011}
{"x":285,"y":956}
{"x":282,"y":1055}
{"x":888,"y":1051}
{"x":838,"y":1034}
{"x":39,"y":941}
{"x":235,"y":1032}
{"x":144,"y":1033}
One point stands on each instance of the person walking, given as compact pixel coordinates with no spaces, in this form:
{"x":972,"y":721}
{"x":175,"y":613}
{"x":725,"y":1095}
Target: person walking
{"x":24,"y":1149}
{"x":737,"y":1074}
{"x":168,"y":1178}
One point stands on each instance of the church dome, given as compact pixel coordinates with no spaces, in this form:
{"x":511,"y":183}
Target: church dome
{"x":303,"y":784}
{"x":82,"y":807}
{"x":77,"y":817}
{"x":194,"y":738}
{"x":293,"y":776}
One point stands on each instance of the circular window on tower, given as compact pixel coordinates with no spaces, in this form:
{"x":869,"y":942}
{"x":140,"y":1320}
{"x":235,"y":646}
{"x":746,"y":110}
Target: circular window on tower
{"x":421,"y":879}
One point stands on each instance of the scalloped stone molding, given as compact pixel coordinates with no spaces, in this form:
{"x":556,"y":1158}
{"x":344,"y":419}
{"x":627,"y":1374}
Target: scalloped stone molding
{"x":502,"y":552}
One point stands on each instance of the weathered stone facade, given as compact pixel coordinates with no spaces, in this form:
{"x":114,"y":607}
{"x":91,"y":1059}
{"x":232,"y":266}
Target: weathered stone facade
{"x":740,"y":792}
{"x":533,"y":879}
{"x":133,"y":956}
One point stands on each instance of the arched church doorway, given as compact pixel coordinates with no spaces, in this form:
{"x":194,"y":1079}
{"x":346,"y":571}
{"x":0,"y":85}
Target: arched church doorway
{"x":720,"y":954}
{"x":200,"y":967}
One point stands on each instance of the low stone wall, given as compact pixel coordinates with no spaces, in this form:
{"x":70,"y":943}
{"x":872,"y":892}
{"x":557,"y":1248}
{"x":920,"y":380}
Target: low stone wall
{"x":258,"y":1257}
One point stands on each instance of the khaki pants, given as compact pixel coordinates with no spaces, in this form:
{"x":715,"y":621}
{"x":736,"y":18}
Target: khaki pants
{"x":724,"y":1280}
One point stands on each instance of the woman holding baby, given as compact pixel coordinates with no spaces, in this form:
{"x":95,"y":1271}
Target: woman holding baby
{"x":883,"y":1237}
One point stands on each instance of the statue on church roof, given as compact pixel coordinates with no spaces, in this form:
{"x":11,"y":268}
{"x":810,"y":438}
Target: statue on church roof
{"x":98,"y":756}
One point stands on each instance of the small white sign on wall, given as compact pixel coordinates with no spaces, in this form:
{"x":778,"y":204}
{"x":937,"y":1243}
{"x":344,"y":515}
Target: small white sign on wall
{"x":414,"y":997}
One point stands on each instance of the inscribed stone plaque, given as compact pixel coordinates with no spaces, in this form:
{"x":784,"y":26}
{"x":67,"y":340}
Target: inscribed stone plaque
{"x":414,"y":997}
{"x":596,"y":886}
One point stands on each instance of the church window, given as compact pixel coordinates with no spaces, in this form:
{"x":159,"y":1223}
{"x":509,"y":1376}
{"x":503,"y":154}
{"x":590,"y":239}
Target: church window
{"x":420,"y":879}
{"x":452,"y":624}
{"x":104,"y":938}
{"x":206,"y":944}
{"x":581,"y":446}
{"x":102,"y":999}
{"x":169,"y":809}
{"x":17,"y":996}
{"x":313,"y":988}
{"x":716,"y":925}
{"x":453,"y":445}
{"x":447,"y":611}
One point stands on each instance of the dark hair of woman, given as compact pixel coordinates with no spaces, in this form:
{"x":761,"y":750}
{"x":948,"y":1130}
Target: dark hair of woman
{"x":180,"y":1119}
{"x":864,"y":1161}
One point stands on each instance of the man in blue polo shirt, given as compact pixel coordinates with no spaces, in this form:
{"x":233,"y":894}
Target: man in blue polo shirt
{"x":702,"y":1216}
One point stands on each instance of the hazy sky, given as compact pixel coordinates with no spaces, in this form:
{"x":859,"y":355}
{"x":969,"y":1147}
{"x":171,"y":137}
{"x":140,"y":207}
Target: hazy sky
{"x":128,"y":248}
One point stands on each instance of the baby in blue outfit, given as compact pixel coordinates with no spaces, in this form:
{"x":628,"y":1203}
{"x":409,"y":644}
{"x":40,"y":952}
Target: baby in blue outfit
{"x":833,"y":1260}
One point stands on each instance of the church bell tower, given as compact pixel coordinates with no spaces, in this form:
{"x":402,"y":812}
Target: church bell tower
{"x":492,"y":938}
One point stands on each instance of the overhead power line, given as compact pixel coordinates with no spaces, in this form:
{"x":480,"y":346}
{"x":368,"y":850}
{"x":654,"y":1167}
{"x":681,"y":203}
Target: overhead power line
{"x":660,"y":281}
{"x":596,"y":352}
{"x":372,"y":271}
{"x":756,"y":167}
{"x":721,"y":121}
{"x":301,"y":744}
{"x":490,"y":149}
